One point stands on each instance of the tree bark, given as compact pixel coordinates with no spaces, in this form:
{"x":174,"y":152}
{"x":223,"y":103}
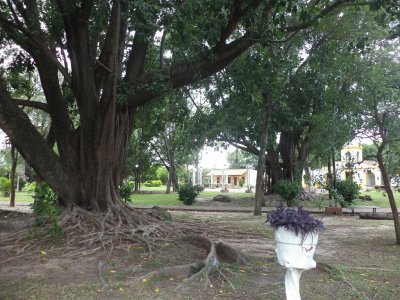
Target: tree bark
{"x":389,"y":192}
{"x":266,"y":120}
{"x":329,"y":183}
{"x":334,"y":173}
{"x":14,"y":161}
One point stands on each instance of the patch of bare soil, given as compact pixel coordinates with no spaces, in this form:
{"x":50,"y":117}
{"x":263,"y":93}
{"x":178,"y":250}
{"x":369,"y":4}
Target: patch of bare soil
{"x":357,"y":259}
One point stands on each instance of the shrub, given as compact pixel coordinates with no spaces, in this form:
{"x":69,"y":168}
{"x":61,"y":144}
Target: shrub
{"x":199,"y":188}
{"x":288,"y":190}
{"x":30,"y":187}
{"x":162,"y":174}
{"x":125,"y":190}
{"x":298,"y":221}
{"x":152,"y":183}
{"x":348,"y":190}
{"x":5,"y":184}
{"x":241,"y":182}
{"x":188,"y":193}
{"x":47,"y":210}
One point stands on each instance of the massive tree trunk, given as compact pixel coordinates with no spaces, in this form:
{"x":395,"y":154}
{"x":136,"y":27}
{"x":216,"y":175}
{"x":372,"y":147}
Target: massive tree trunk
{"x":274,"y":168}
{"x":389,"y":192}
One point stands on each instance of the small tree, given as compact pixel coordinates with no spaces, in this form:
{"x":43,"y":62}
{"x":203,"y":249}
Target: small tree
{"x":348,"y":190}
{"x":188,"y":193}
{"x":241,"y":182}
{"x":5,"y":186}
{"x":288,"y":190}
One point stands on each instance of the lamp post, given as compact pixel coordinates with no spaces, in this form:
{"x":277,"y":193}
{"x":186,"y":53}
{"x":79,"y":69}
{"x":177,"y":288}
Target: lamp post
{"x":136,"y":178}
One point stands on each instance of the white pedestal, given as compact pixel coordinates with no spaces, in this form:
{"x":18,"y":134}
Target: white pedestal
{"x":295,"y":252}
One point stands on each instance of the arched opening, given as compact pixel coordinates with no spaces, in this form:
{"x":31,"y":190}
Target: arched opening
{"x":370,"y":178}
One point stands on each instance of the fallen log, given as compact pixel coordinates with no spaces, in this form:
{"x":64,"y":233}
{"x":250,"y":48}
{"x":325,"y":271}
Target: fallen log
{"x":376,"y":216}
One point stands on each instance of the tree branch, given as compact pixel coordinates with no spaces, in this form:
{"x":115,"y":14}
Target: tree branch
{"x":323,"y":13}
{"x":32,"y":146}
{"x":33,"y":104}
{"x":184,"y":74}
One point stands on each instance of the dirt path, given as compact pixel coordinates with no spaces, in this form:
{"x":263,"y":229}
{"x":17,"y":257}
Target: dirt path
{"x":357,"y":259}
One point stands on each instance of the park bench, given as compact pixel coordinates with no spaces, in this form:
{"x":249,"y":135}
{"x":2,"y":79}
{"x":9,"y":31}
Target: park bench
{"x":364,"y":207}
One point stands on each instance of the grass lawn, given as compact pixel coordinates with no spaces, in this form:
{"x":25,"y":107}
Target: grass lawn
{"x":158,"y":197}
{"x":378,"y":199}
{"x":153,"y":188}
{"x":19,"y":197}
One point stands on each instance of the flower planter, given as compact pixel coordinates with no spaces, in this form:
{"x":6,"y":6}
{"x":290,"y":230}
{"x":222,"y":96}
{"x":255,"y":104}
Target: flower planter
{"x":295,"y":253}
{"x":296,"y":235}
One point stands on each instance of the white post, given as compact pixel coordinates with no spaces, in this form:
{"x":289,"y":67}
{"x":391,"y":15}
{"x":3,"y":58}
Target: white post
{"x":17,"y":182}
{"x":248,"y":179}
{"x":211,"y":178}
{"x":292,"y":283}
{"x":200,"y":177}
{"x":194,"y":177}
{"x":223,"y":180}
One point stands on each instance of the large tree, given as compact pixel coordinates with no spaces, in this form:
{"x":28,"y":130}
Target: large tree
{"x":100,"y":60}
{"x":379,"y":97}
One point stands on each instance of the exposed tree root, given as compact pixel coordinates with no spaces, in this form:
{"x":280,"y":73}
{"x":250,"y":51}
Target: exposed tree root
{"x":86,"y":233}
{"x":79,"y":230}
{"x":200,"y":271}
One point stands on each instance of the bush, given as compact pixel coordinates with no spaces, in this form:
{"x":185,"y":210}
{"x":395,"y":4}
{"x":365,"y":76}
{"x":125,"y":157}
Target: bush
{"x":199,"y":188}
{"x":47,"y":210}
{"x":5,"y":184}
{"x":188,"y":193}
{"x":241,"y":182}
{"x":348,"y":191}
{"x":125,"y":190}
{"x":152,"y":183}
{"x":30,"y":187}
{"x":288,"y":190}
{"x":162,"y":174}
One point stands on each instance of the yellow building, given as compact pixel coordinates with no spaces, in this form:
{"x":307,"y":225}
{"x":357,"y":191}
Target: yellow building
{"x":365,"y":172}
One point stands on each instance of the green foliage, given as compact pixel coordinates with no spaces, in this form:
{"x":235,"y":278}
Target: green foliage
{"x":369,"y":151}
{"x":348,"y":191}
{"x":288,"y":190}
{"x":30,"y":187}
{"x":240,"y":160}
{"x":125,"y":190}
{"x":47,"y":210}
{"x":5,"y":184}
{"x":199,"y":188}
{"x":188,"y":193}
{"x":152,"y":183}
{"x":241,"y":182}
{"x":162,"y":174}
